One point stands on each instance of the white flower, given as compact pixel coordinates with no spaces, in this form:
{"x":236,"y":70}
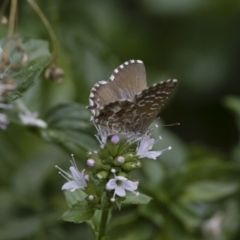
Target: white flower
{"x":213,"y":227}
{"x":31,"y":119}
{"x":5,"y":106}
{"x":120,"y":184}
{"x":6,"y":86}
{"x":145,"y":145}
{"x":76,"y":180}
{"x":3,"y":121}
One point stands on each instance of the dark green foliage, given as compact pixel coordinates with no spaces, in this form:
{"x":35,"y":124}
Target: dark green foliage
{"x":196,"y":42}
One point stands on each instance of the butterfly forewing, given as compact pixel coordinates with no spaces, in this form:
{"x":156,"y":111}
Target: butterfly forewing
{"x":128,"y":79}
{"x":125,"y":82}
{"x":151,"y":100}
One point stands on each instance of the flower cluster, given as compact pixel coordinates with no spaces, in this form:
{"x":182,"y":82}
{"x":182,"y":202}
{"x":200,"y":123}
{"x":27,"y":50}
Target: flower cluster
{"x":108,"y":170}
{"x":6,"y":85}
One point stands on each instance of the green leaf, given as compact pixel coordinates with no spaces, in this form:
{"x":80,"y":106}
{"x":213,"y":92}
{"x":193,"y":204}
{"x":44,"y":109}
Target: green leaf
{"x":78,"y":213}
{"x":95,"y":221}
{"x":70,"y":124}
{"x":31,"y":175}
{"x":69,"y":116}
{"x":152,"y":212}
{"x":74,"y":197}
{"x":69,"y":137}
{"x":26,"y":76}
{"x":131,"y":198}
{"x":233,"y":103}
{"x":22,"y":228}
{"x":174,"y":159}
{"x":105,"y":238}
{"x":185,"y":212}
{"x":209,"y":190}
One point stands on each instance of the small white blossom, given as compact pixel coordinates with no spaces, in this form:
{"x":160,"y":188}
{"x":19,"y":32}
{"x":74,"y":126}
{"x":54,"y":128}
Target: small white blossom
{"x":3,"y":121}
{"x":121,"y":159}
{"x":213,"y":226}
{"x":145,"y":145}
{"x":6,"y":87}
{"x":5,"y":106}
{"x":90,"y":197}
{"x":90,"y":162}
{"x":120,"y":185}
{"x":29,"y":118}
{"x":76,"y":180}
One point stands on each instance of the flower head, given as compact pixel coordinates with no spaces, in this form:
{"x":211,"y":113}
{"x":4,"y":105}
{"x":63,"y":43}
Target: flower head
{"x":120,"y":184}
{"x":145,"y":146}
{"x":76,"y":180}
{"x":29,"y":118}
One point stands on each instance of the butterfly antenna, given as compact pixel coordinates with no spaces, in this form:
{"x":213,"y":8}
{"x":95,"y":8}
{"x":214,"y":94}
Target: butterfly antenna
{"x":171,"y":125}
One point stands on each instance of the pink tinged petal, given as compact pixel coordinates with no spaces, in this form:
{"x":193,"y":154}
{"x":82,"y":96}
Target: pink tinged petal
{"x":129,"y":185}
{"x":111,"y":184}
{"x":78,"y":176}
{"x":151,"y":154}
{"x":146,"y":144}
{"x":120,"y":191}
{"x":72,"y":186}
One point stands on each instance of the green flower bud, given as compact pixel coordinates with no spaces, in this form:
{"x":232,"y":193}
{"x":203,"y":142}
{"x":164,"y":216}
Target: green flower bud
{"x":102,"y":175}
{"x":130,"y":157}
{"x":129,"y":166}
{"x":123,"y":174}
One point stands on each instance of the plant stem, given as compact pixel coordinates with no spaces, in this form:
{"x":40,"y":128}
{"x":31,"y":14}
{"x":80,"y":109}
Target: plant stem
{"x":48,"y":27}
{"x":13,"y":11}
{"x":103,"y":224}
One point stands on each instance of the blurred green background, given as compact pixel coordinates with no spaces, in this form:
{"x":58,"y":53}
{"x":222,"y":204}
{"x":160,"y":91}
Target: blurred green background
{"x":196,"y":186}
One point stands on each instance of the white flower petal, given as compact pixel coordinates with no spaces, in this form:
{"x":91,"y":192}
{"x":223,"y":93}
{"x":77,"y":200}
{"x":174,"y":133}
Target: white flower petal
{"x":129,"y":185}
{"x":29,"y":118}
{"x":120,"y":191}
{"x":120,"y":184}
{"x":146,"y":144}
{"x":111,"y":184}
{"x":78,"y":177}
{"x":71,"y":185}
{"x":151,"y":154}
{"x":76,"y":180}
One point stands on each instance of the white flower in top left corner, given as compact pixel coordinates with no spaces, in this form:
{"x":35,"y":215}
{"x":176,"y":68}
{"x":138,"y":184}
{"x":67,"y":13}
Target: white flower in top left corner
{"x":29,"y":118}
{"x":76,"y":180}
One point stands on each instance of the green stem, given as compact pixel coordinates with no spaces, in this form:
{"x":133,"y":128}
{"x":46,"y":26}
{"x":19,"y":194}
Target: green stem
{"x":48,"y":27}
{"x":103,"y":224}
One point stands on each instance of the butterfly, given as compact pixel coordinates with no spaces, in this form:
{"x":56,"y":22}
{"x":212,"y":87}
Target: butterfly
{"x":124,"y":104}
